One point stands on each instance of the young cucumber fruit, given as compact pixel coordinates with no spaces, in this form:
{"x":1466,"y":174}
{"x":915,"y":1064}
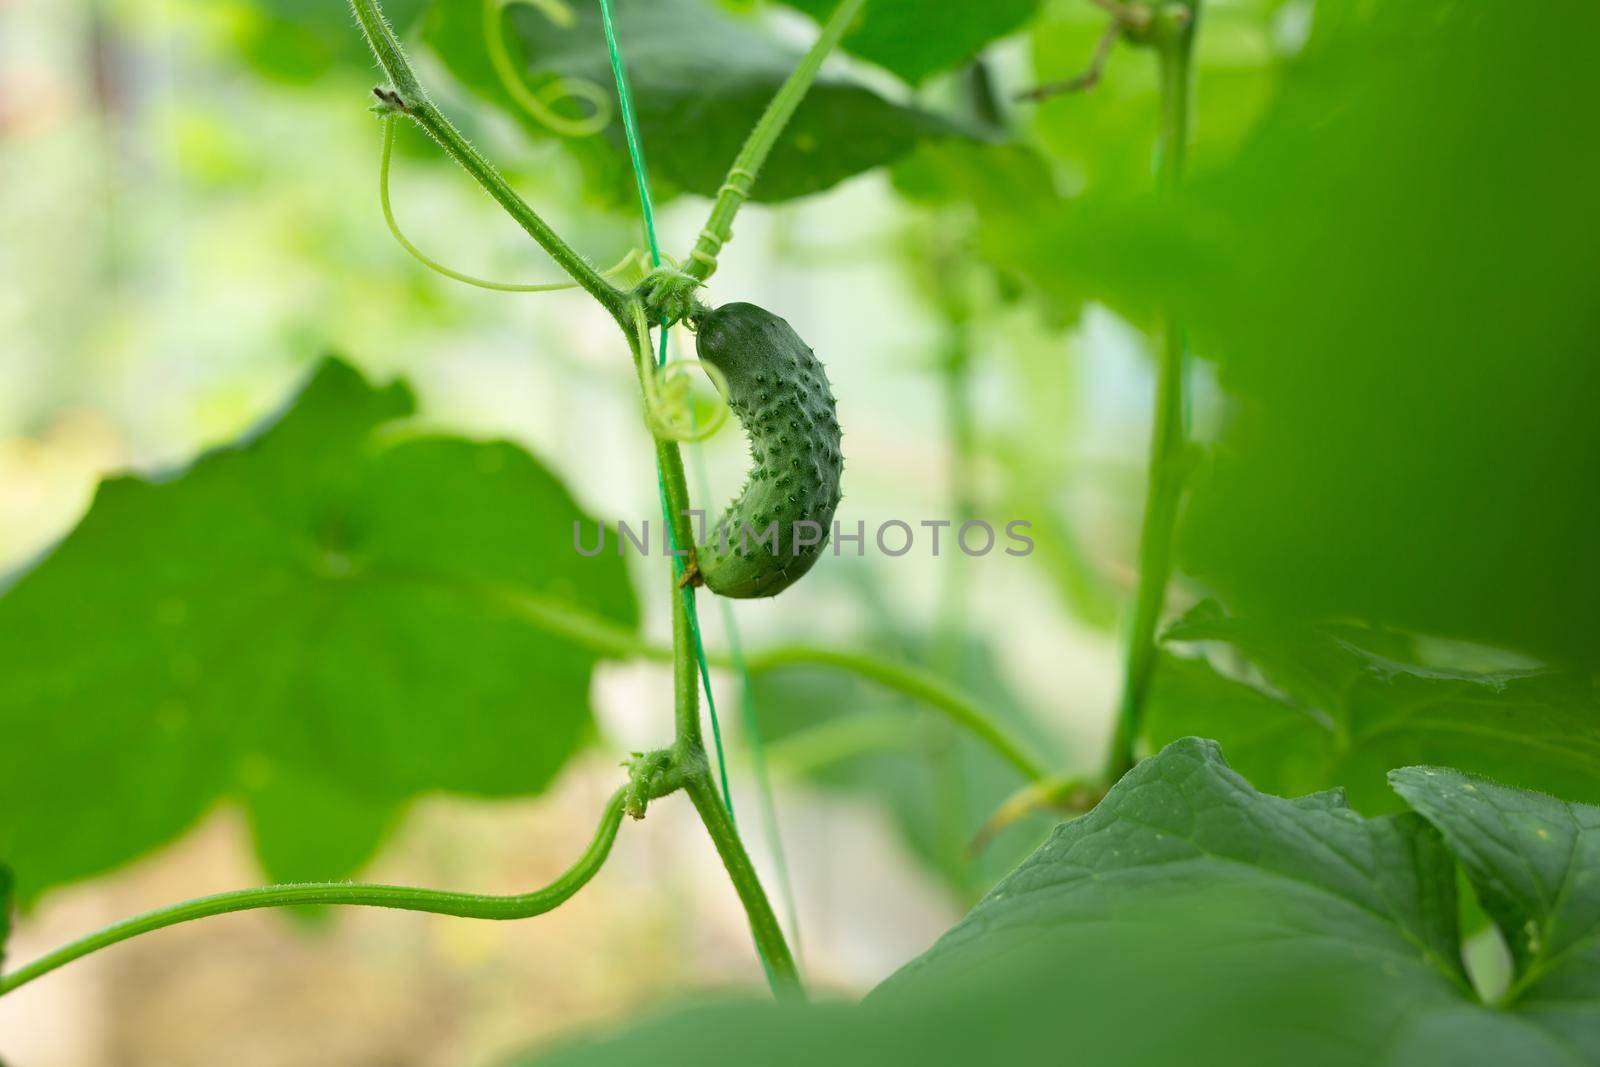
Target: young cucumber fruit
{"x":777,"y":526}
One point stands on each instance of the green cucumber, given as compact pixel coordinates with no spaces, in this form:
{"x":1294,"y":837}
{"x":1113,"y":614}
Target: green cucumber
{"x":779,"y":391}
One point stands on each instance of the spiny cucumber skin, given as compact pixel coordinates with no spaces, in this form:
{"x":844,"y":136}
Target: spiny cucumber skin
{"x":779,"y":391}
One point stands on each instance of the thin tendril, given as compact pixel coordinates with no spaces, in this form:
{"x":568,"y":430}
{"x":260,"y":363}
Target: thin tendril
{"x":674,"y":421}
{"x":539,"y":104}
{"x":622,"y":265}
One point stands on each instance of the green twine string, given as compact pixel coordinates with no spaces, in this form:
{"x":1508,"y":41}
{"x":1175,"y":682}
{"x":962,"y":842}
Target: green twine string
{"x":752,"y":729}
{"x":630,"y":129}
{"x":641,"y":177}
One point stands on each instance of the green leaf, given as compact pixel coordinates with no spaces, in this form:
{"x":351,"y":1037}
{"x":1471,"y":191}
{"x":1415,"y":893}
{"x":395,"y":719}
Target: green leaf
{"x":303,"y":40}
{"x":1187,"y":919}
{"x":281,"y":802}
{"x":916,"y":38}
{"x":1333,"y":713}
{"x":1311,"y":874}
{"x":319,"y":620}
{"x":1535,"y":863}
{"x":1393,"y":276}
{"x":8,"y":886}
{"x":700,"y":77}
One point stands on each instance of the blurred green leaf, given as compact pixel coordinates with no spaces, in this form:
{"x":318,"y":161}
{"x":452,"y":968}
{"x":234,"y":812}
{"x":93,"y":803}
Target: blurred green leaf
{"x":303,"y":40}
{"x":1535,"y":863}
{"x":700,"y":77}
{"x":7,"y":889}
{"x":1405,"y":315}
{"x":1187,"y":919}
{"x":1338,"y":714}
{"x":916,"y":38}
{"x":314,"y":622}
{"x":1394,"y":277}
{"x":350,"y":823}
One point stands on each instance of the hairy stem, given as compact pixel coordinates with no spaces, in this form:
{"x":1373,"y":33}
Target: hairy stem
{"x":1168,"y":436}
{"x":403,"y":898}
{"x":758,"y":145}
{"x":413,"y":101}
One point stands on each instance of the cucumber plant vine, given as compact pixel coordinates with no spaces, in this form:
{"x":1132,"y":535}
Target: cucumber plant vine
{"x":749,"y":346}
{"x":1352,"y":888}
{"x":779,"y":390}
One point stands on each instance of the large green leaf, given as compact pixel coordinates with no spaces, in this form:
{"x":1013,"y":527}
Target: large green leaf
{"x":1188,"y":919}
{"x":1336,"y":713}
{"x":315,"y":622}
{"x":700,"y":77}
{"x":1534,"y":861}
{"x":1384,"y":244}
{"x":1405,"y":314}
{"x":1393,"y":274}
{"x":916,"y":38}
{"x":1309,"y":872}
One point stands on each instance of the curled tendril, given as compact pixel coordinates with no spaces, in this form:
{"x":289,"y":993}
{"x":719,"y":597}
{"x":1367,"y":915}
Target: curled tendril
{"x":634,"y":258}
{"x":540,"y":103}
{"x":670,"y":402}
{"x":669,"y":407}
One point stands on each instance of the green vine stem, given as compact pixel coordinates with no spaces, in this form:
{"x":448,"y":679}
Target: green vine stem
{"x":409,"y":98}
{"x":782,"y":973}
{"x":689,"y":755}
{"x":753,"y":154}
{"x":403,"y":898}
{"x":1169,"y":438}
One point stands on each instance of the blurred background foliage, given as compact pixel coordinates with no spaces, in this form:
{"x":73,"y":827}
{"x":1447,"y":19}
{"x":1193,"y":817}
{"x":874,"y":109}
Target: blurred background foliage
{"x":1388,"y":556}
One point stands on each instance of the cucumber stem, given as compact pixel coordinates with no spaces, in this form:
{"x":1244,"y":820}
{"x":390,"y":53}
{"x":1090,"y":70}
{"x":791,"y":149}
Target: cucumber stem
{"x":753,"y":154}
